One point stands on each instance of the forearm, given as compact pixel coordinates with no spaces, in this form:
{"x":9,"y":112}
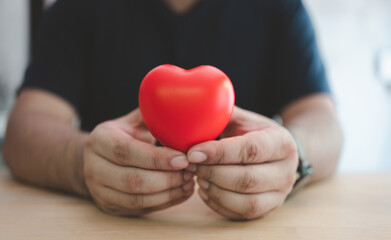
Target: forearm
{"x":321,"y":138}
{"x":44,"y":151}
{"x":314,"y":122}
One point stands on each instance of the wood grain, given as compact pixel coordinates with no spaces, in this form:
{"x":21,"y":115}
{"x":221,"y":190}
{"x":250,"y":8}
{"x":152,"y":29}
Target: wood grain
{"x":348,"y":206}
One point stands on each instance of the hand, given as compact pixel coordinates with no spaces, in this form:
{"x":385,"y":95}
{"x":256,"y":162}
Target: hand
{"x":250,"y":171}
{"x":127,"y":175}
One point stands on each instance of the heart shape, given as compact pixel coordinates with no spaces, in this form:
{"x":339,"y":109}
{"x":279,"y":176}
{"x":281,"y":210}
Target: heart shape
{"x":184,"y":107}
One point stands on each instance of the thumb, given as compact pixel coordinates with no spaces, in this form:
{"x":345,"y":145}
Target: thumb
{"x":133,"y":118}
{"x":144,"y":135}
{"x":244,"y":121}
{"x":235,"y":124}
{"x":134,"y":125}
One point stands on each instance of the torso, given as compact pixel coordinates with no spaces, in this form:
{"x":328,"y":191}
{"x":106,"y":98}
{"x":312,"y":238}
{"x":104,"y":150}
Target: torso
{"x":135,"y":36}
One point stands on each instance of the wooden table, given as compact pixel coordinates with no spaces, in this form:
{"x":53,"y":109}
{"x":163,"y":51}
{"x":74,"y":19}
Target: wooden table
{"x":349,"y":206}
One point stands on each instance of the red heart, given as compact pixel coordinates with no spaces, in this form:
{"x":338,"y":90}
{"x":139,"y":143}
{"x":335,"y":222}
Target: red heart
{"x":185,"y":107}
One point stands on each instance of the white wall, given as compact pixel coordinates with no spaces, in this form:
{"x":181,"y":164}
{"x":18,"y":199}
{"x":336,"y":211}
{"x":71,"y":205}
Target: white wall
{"x":350,"y":33}
{"x":14,"y":34}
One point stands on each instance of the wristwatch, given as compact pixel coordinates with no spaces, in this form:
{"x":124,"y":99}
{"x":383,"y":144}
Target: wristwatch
{"x":304,"y":169}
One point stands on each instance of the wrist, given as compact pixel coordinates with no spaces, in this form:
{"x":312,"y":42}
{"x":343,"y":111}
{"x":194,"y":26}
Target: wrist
{"x":304,"y":169}
{"x":79,"y":184}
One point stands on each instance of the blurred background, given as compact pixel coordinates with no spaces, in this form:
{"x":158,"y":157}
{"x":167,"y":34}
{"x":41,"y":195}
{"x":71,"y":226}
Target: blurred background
{"x":355,"y":40}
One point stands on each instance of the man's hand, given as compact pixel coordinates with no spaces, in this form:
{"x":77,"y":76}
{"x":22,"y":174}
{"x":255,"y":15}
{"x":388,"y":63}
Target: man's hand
{"x":127,"y":175}
{"x":250,"y":171}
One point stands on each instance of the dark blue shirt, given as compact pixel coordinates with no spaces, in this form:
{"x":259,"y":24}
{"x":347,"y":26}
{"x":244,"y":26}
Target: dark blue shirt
{"x":94,"y":54}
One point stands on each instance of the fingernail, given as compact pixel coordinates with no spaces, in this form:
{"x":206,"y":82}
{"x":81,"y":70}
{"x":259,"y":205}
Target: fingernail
{"x":187,"y":176}
{"x":197,"y":157}
{"x":203,"y":195}
{"x":188,"y":186}
{"x":179,"y":162}
{"x":191,"y":167}
{"x":203,"y":184}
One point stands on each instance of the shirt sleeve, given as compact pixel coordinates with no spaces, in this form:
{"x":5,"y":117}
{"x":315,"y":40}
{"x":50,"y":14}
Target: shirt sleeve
{"x":299,"y":70}
{"x":62,"y":50}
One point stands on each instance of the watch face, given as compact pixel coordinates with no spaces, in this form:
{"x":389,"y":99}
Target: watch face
{"x":304,"y":170}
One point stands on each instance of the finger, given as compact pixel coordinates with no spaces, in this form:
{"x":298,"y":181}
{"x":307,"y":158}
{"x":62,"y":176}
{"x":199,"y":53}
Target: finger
{"x":255,"y":178}
{"x":142,"y":201}
{"x":122,"y":149}
{"x":169,"y":204}
{"x":248,"y":205}
{"x":218,"y":208}
{"x":254,"y":147}
{"x":134,"y":180}
{"x":121,"y":211}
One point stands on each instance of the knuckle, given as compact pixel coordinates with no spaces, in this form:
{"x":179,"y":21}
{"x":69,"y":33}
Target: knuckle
{"x":100,"y":132}
{"x":120,"y":151}
{"x":248,"y":152}
{"x":253,"y":208}
{"x":156,"y":161}
{"x":219,"y":155}
{"x":101,"y":129}
{"x":246,"y":182}
{"x":97,"y":133}
{"x":133,"y":182}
